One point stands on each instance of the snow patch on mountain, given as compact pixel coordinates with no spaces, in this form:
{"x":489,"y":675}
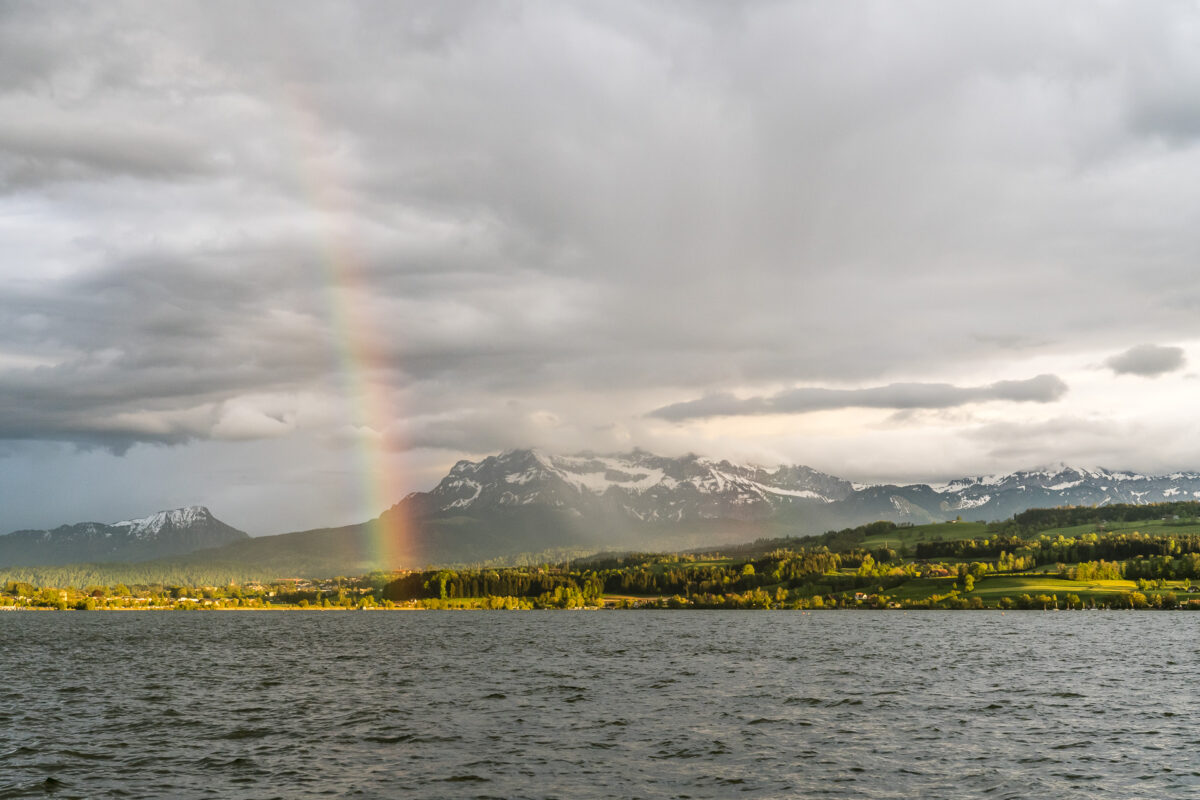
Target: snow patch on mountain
{"x":154,"y":524}
{"x":960,"y":484}
{"x":973,"y":502}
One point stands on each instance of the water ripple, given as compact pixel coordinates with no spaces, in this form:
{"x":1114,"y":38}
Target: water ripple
{"x":646,"y":704}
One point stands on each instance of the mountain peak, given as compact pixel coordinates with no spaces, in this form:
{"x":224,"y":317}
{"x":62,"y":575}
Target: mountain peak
{"x":164,"y":533}
{"x":1063,"y":468}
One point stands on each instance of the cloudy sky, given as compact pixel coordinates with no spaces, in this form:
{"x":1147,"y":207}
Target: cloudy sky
{"x":292,"y":260}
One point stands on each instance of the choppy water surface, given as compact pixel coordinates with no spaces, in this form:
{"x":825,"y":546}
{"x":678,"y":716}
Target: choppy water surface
{"x":600,"y":704}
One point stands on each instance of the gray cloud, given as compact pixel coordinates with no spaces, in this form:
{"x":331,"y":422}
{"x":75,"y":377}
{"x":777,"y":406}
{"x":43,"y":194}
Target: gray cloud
{"x":1147,"y":360}
{"x":579,"y":208}
{"x":1041,"y":389}
{"x":1080,"y":441}
{"x":79,"y":150}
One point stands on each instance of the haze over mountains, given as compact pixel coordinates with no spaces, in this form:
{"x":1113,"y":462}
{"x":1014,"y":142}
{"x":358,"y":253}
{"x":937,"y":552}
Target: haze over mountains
{"x":530,"y":502}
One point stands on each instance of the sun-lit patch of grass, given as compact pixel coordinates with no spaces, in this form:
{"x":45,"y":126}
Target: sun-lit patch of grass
{"x":713,"y":562}
{"x":992,"y":588}
{"x":921,"y":589}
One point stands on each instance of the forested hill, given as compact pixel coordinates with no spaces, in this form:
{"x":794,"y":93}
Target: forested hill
{"x":1039,"y":519}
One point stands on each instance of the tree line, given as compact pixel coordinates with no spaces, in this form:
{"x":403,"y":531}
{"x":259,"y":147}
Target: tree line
{"x":1035,"y":520}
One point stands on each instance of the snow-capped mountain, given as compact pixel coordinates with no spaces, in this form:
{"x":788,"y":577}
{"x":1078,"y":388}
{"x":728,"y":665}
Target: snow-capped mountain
{"x":639,"y":485}
{"x":642,"y":487}
{"x":166,"y":533}
{"x":1001,"y":496}
{"x":191,"y":517}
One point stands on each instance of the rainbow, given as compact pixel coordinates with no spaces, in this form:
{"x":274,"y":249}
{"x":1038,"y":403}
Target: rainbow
{"x":369,"y":403}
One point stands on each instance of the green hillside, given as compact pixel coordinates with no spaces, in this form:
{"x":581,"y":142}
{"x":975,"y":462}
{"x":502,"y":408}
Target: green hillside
{"x":1108,"y":561}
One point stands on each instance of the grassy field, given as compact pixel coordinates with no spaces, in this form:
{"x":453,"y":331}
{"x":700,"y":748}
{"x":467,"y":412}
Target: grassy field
{"x":921,"y":588}
{"x":991,"y":588}
{"x":938,"y":532}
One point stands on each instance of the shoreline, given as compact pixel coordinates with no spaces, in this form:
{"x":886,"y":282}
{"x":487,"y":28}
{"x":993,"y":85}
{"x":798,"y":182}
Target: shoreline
{"x":18,"y":609}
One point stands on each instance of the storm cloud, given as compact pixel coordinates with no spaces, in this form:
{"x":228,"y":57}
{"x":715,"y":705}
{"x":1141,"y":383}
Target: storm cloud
{"x":445,"y":229}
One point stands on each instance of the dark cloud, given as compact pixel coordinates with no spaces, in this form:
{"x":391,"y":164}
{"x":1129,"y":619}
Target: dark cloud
{"x":1041,"y":389}
{"x":1147,"y":360}
{"x":147,"y":351}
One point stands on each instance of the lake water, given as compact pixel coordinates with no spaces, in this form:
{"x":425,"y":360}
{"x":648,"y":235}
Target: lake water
{"x":599,"y":704}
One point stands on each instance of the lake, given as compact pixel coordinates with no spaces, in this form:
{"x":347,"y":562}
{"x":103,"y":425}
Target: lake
{"x":648,"y":704}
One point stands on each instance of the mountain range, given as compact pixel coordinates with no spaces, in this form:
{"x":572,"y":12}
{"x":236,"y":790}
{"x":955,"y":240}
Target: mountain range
{"x":642,"y":487}
{"x":530,"y":502}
